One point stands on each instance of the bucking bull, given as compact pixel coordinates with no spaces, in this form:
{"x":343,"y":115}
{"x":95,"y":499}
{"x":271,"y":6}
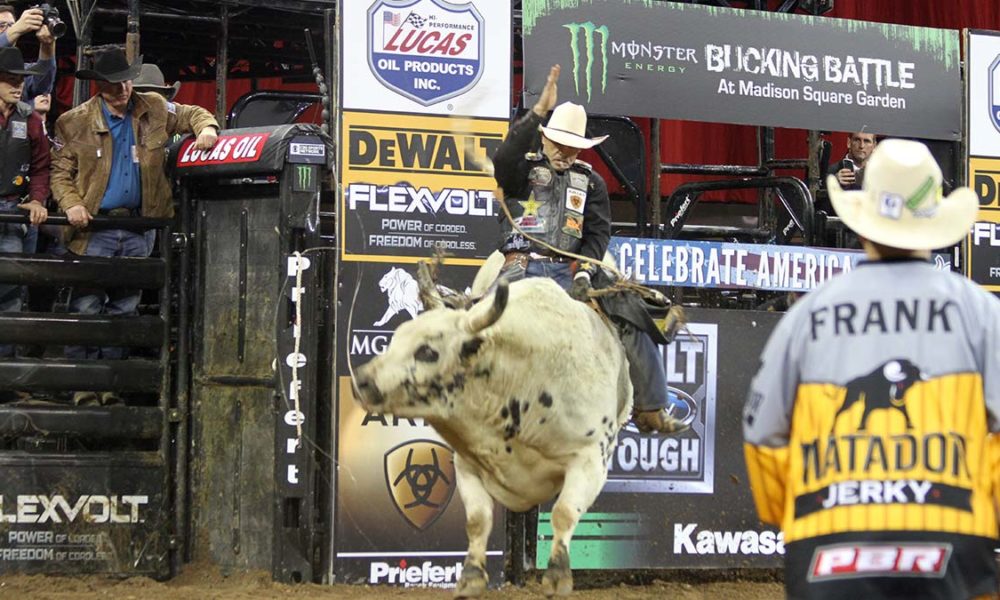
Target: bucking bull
{"x":529,"y":387}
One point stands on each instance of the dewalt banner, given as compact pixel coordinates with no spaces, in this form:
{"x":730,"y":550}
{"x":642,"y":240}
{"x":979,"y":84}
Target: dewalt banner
{"x":414,"y":184}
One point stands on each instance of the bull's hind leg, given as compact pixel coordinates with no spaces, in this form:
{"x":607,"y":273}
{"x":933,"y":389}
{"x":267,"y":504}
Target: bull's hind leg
{"x":584,"y":479}
{"x":478,"y":523}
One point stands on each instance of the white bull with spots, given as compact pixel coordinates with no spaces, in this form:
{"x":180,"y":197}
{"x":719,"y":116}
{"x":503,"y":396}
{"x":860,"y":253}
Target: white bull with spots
{"x":529,"y":387}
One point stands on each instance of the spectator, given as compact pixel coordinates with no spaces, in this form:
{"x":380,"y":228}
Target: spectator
{"x":43,"y":105}
{"x":150,"y":79}
{"x":24,"y":168}
{"x":127,"y":181}
{"x":564,"y":203}
{"x":849,"y":170}
{"x":882,"y":466}
{"x":12,"y":29}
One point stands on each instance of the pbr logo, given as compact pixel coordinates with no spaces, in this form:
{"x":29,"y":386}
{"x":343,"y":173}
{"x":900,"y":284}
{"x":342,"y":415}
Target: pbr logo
{"x":994,"y":91}
{"x":426,"y":50}
{"x":420,"y":476}
{"x":682,"y":463}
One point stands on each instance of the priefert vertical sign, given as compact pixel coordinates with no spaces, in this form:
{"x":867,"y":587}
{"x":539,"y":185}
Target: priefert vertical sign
{"x":294,"y":369}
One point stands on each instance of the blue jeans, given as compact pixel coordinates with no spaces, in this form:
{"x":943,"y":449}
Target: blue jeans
{"x":118,"y":301}
{"x":645,"y":363}
{"x":11,"y":241}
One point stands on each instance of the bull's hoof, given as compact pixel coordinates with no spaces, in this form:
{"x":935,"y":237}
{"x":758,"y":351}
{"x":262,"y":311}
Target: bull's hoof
{"x":557,"y":583}
{"x":558,"y":578}
{"x":472,"y":584}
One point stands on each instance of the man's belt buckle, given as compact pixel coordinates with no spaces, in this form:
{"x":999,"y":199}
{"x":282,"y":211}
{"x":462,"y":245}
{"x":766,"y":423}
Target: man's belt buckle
{"x":519,"y":259}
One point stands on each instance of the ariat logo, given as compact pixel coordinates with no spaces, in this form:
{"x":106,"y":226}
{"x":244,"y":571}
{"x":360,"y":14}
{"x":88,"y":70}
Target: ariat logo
{"x":420,"y":475}
{"x":883,"y":388}
{"x":584,"y":48}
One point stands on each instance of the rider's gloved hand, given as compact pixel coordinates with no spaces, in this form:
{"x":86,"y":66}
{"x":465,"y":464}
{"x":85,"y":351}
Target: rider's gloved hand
{"x":580,"y":288}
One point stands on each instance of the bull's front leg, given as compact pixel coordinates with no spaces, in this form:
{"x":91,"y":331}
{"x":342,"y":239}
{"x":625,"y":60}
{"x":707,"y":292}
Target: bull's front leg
{"x":478,"y":523}
{"x":583,"y":482}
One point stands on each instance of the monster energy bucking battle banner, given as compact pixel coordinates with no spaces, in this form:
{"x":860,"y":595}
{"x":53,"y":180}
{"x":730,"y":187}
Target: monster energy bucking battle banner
{"x":685,"y":61}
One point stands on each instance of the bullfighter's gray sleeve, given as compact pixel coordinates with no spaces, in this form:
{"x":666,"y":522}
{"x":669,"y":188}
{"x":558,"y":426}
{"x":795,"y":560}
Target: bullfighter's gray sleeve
{"x":990,"y":368}
{"x":768,"y":410}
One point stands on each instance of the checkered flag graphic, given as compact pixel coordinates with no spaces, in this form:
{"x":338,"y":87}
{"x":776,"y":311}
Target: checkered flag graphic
{"x":416,"y":20}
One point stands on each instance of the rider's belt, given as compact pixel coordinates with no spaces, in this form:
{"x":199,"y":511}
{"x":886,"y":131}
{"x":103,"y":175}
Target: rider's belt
{"x":524,"y":257}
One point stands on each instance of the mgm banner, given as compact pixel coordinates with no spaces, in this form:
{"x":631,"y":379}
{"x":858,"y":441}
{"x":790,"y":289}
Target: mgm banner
{"x":413,"y":185}
{"x":399,"y":520}
{"x":676,"y":60}
{"x":683,"y":501}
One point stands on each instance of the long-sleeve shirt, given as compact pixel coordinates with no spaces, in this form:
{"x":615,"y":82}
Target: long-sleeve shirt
{"x":41,"y":159}
{"x":511,"y":168}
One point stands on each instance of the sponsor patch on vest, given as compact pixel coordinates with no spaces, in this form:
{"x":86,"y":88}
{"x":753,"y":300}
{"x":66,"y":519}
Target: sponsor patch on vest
{"x":578,"y":180}
{"x":171,"y":108}
{"x":531,"y":223}
{"x":19,"y":130}
{"x":540,"y":176}
{"x":573,"y":225}
{"x":576,"y":199}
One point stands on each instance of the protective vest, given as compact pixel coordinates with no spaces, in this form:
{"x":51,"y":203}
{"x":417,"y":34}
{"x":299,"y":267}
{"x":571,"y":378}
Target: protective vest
{"x":553,"y":210}
{"x":15,"y":153}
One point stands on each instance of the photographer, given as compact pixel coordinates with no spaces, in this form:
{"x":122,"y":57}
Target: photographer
{"x":849,"y":171}
{"x":11,"y":30}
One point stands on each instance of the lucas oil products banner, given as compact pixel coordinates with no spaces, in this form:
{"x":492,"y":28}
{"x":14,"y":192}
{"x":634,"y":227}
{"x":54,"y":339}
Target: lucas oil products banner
{"x":983,"y":103}
{"x":416,"y":184}
{"x":427,"y":57}
{"x":677,"y":60}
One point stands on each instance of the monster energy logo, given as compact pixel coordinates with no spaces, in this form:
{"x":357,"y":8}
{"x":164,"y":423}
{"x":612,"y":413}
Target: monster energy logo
{"x":303,"y":177}
{"x":587,"y":31}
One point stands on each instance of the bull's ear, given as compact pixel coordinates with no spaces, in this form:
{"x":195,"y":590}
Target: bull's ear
{"x":480,"y":319}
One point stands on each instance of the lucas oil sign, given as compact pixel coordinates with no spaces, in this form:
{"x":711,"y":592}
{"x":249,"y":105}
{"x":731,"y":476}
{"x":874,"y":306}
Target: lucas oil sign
{"x":426,"y":50}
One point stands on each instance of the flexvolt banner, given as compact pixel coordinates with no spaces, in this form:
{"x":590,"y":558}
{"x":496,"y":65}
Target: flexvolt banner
{"x":414,"y":184}
{"x":686,"y":61}
{"x":644,"y":517}
{"x":399,"y":520}
{"x":427,"y":56}
{"x":983,"y":105}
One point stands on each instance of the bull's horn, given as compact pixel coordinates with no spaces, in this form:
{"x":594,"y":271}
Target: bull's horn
{"x":893,"y":371}
{"x":429,"y":294}
{"x":480,"y":320}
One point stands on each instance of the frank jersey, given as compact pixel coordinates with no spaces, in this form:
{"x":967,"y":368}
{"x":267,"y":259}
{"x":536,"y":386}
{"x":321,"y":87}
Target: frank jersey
{"x":873,"y":417}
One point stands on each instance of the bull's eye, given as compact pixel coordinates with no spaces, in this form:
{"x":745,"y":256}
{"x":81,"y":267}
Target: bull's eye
{"x":426,"y":354}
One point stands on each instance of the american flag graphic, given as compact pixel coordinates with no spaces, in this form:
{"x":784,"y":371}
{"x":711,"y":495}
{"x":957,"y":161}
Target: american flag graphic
{"x":391,"y":18}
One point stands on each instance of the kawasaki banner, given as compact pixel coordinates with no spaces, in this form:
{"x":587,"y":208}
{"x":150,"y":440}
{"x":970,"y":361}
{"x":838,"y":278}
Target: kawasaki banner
{"x":686,"y":61}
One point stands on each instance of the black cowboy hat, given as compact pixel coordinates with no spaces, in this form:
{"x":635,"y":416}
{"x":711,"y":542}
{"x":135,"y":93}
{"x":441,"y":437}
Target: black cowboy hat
{"x":12,"y":61}
{"x":113,"y":67}
{"x":150,"y":79}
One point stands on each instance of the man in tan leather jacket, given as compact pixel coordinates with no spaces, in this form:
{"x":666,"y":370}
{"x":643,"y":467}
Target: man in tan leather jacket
{"x":109,"y":160}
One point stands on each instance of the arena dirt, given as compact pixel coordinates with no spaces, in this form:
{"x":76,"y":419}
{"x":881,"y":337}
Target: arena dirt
{"x":205,"y":583}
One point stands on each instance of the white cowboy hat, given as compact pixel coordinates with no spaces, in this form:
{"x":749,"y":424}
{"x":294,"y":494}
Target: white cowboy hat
{"x":901,"y":204}
{"x":568,"y":126}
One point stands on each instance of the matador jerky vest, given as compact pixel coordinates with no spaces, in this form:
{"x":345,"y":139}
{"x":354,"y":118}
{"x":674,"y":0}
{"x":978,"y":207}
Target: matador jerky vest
{"x":553,"y":210}
{"x":15,"y":153}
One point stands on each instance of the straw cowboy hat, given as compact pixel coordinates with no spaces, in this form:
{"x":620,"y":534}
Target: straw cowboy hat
{"x":12,"y":61}
{"x":113,"y":67}
{"x":150,"y":79}
{"x":901,"y":204}
{"x":568,"y":126}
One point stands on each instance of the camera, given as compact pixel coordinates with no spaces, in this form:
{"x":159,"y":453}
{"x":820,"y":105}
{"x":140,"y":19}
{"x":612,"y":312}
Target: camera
{"x":849,"y":164}
{"x":50,"y":16}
